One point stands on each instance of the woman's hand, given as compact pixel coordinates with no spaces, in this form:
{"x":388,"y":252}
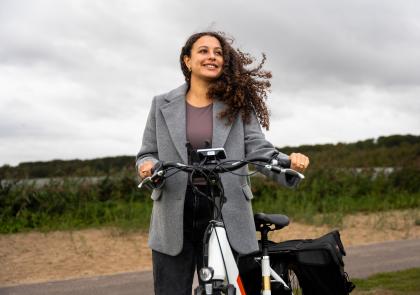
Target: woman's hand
{"x":145,"y":169}
{"x":298,"y":162}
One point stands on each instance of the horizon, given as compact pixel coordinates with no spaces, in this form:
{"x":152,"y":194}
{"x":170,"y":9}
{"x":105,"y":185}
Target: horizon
{"x":126,"y":155}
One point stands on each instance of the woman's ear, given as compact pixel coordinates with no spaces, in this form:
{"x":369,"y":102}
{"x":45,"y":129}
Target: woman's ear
{"x":187,"y":60}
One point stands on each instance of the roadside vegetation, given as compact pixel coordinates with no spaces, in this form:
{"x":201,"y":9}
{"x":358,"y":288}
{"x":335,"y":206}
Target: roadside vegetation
{"x":367,"y":176}
{"x":405,"y":282}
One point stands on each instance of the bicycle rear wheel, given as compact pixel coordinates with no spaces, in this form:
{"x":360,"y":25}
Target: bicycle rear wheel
{"x":292,"y":281}
{"x":290,"y":276}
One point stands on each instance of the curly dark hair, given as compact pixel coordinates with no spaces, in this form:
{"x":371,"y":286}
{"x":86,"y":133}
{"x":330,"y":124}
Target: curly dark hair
{"x":243,"y":90}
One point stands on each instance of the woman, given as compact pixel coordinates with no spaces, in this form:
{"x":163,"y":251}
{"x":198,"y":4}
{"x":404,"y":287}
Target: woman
{"x":222,"y":104}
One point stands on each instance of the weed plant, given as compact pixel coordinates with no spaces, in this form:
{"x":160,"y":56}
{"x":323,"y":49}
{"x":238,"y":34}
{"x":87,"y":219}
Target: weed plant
{"x":325,"y":196}
{"x":73,"y":204}
{"x":332,"y":194}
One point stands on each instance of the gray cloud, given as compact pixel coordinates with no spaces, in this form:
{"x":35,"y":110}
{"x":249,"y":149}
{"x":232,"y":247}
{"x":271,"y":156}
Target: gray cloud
{"x":353,"y":42}
{"x":82,"y":74}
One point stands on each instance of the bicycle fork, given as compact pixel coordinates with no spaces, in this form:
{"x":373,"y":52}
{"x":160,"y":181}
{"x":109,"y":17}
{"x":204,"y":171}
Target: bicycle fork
{"x":222,"y":265}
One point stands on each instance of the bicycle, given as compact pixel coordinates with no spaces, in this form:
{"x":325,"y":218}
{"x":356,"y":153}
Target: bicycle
{"x":220,"y":273}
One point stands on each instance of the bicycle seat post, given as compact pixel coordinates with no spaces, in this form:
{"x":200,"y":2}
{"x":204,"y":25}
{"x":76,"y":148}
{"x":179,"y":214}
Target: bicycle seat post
{"x":264,"y":239}
{"x":265,"y":260}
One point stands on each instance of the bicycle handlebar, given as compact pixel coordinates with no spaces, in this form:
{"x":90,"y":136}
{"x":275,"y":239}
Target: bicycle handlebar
{"x":225,"y":166}
{"x":274,"y":165}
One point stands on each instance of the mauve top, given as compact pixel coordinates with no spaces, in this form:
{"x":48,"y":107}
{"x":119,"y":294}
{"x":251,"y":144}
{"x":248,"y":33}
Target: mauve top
{"x":199,"y":126}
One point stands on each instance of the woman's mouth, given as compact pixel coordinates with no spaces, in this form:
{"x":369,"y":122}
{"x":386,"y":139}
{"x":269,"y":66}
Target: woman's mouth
{"x":211,"y":66}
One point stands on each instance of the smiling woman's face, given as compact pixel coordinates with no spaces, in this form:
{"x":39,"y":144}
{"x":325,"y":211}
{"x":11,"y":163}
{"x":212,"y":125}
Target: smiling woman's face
{"x":206,"y":60}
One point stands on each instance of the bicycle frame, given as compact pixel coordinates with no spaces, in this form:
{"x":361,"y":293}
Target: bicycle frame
{"x":222,"y":263}
{"x":225,"y":269}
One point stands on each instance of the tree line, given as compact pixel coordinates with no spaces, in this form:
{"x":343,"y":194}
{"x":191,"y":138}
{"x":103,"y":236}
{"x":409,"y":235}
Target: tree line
{"x":385,"y":151}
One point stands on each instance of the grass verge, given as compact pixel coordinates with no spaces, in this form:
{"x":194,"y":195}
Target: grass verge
{"x":405,"y":282}
{"x":325,"y":197}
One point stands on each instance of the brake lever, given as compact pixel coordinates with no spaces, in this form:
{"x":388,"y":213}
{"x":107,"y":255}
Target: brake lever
{"x":293,"y":172}
{"x":150,"y":182}
{"x":145,"y":181}
{"x":285,"y":171}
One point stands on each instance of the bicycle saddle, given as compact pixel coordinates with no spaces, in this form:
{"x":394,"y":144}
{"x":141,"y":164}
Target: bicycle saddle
{"x":279,"y":220}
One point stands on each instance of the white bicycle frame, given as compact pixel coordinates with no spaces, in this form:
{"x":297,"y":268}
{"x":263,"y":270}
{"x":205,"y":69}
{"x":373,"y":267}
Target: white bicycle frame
{"x":222,"y":261}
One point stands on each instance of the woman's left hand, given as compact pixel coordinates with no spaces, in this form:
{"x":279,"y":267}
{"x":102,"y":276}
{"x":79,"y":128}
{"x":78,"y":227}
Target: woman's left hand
{"x":298,"y":162}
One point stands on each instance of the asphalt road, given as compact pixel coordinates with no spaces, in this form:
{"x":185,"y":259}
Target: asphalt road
{"x":361,"y":261}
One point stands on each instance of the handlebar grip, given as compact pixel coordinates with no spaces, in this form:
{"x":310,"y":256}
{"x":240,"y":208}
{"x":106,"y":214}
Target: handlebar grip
{"x":156,"y":167}
{"x":285,"y":163}
{"x":275,"y":169}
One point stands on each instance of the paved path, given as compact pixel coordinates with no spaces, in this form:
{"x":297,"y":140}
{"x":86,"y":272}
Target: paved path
{"x":361,"y":261}
{"x":139,"y":283}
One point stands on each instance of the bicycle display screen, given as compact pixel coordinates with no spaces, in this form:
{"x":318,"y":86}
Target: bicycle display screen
{"x":212,"y":154}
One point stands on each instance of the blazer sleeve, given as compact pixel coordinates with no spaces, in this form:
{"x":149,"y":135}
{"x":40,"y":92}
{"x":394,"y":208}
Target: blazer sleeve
{"x":257,"y":145}
{"x":148,"y":150}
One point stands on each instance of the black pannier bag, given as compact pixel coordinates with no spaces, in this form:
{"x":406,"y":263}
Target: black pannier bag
{"x":318,"y":264}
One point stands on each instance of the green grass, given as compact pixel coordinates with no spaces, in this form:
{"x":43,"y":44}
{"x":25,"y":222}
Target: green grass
{"x":325,"y":197}
{"x":127,"y":216}
{"x":405,"y":282}
{"x":71,"y":204}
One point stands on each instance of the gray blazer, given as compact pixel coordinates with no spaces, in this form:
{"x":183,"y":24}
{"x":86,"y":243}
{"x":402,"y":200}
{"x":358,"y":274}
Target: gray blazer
{"x":164,"y":139}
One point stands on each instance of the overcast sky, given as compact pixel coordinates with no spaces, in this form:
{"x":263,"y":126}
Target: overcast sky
{"x":77,"y":77}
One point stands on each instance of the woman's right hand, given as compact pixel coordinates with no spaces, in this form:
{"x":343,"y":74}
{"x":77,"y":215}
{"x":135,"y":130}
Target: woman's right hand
{"x":145,"y":169}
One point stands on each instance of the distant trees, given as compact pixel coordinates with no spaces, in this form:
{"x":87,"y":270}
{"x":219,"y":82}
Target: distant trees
{"x":64,"y":168}
{"x":389,"y":151}
{"x":385,"y":151}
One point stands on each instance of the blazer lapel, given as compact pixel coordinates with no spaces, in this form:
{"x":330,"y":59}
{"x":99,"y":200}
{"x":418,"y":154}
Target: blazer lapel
{"x":175,"y":118}
{"x":220,"y":127}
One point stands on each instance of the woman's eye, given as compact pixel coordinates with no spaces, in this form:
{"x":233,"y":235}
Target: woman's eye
{"x":202,"y":51}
